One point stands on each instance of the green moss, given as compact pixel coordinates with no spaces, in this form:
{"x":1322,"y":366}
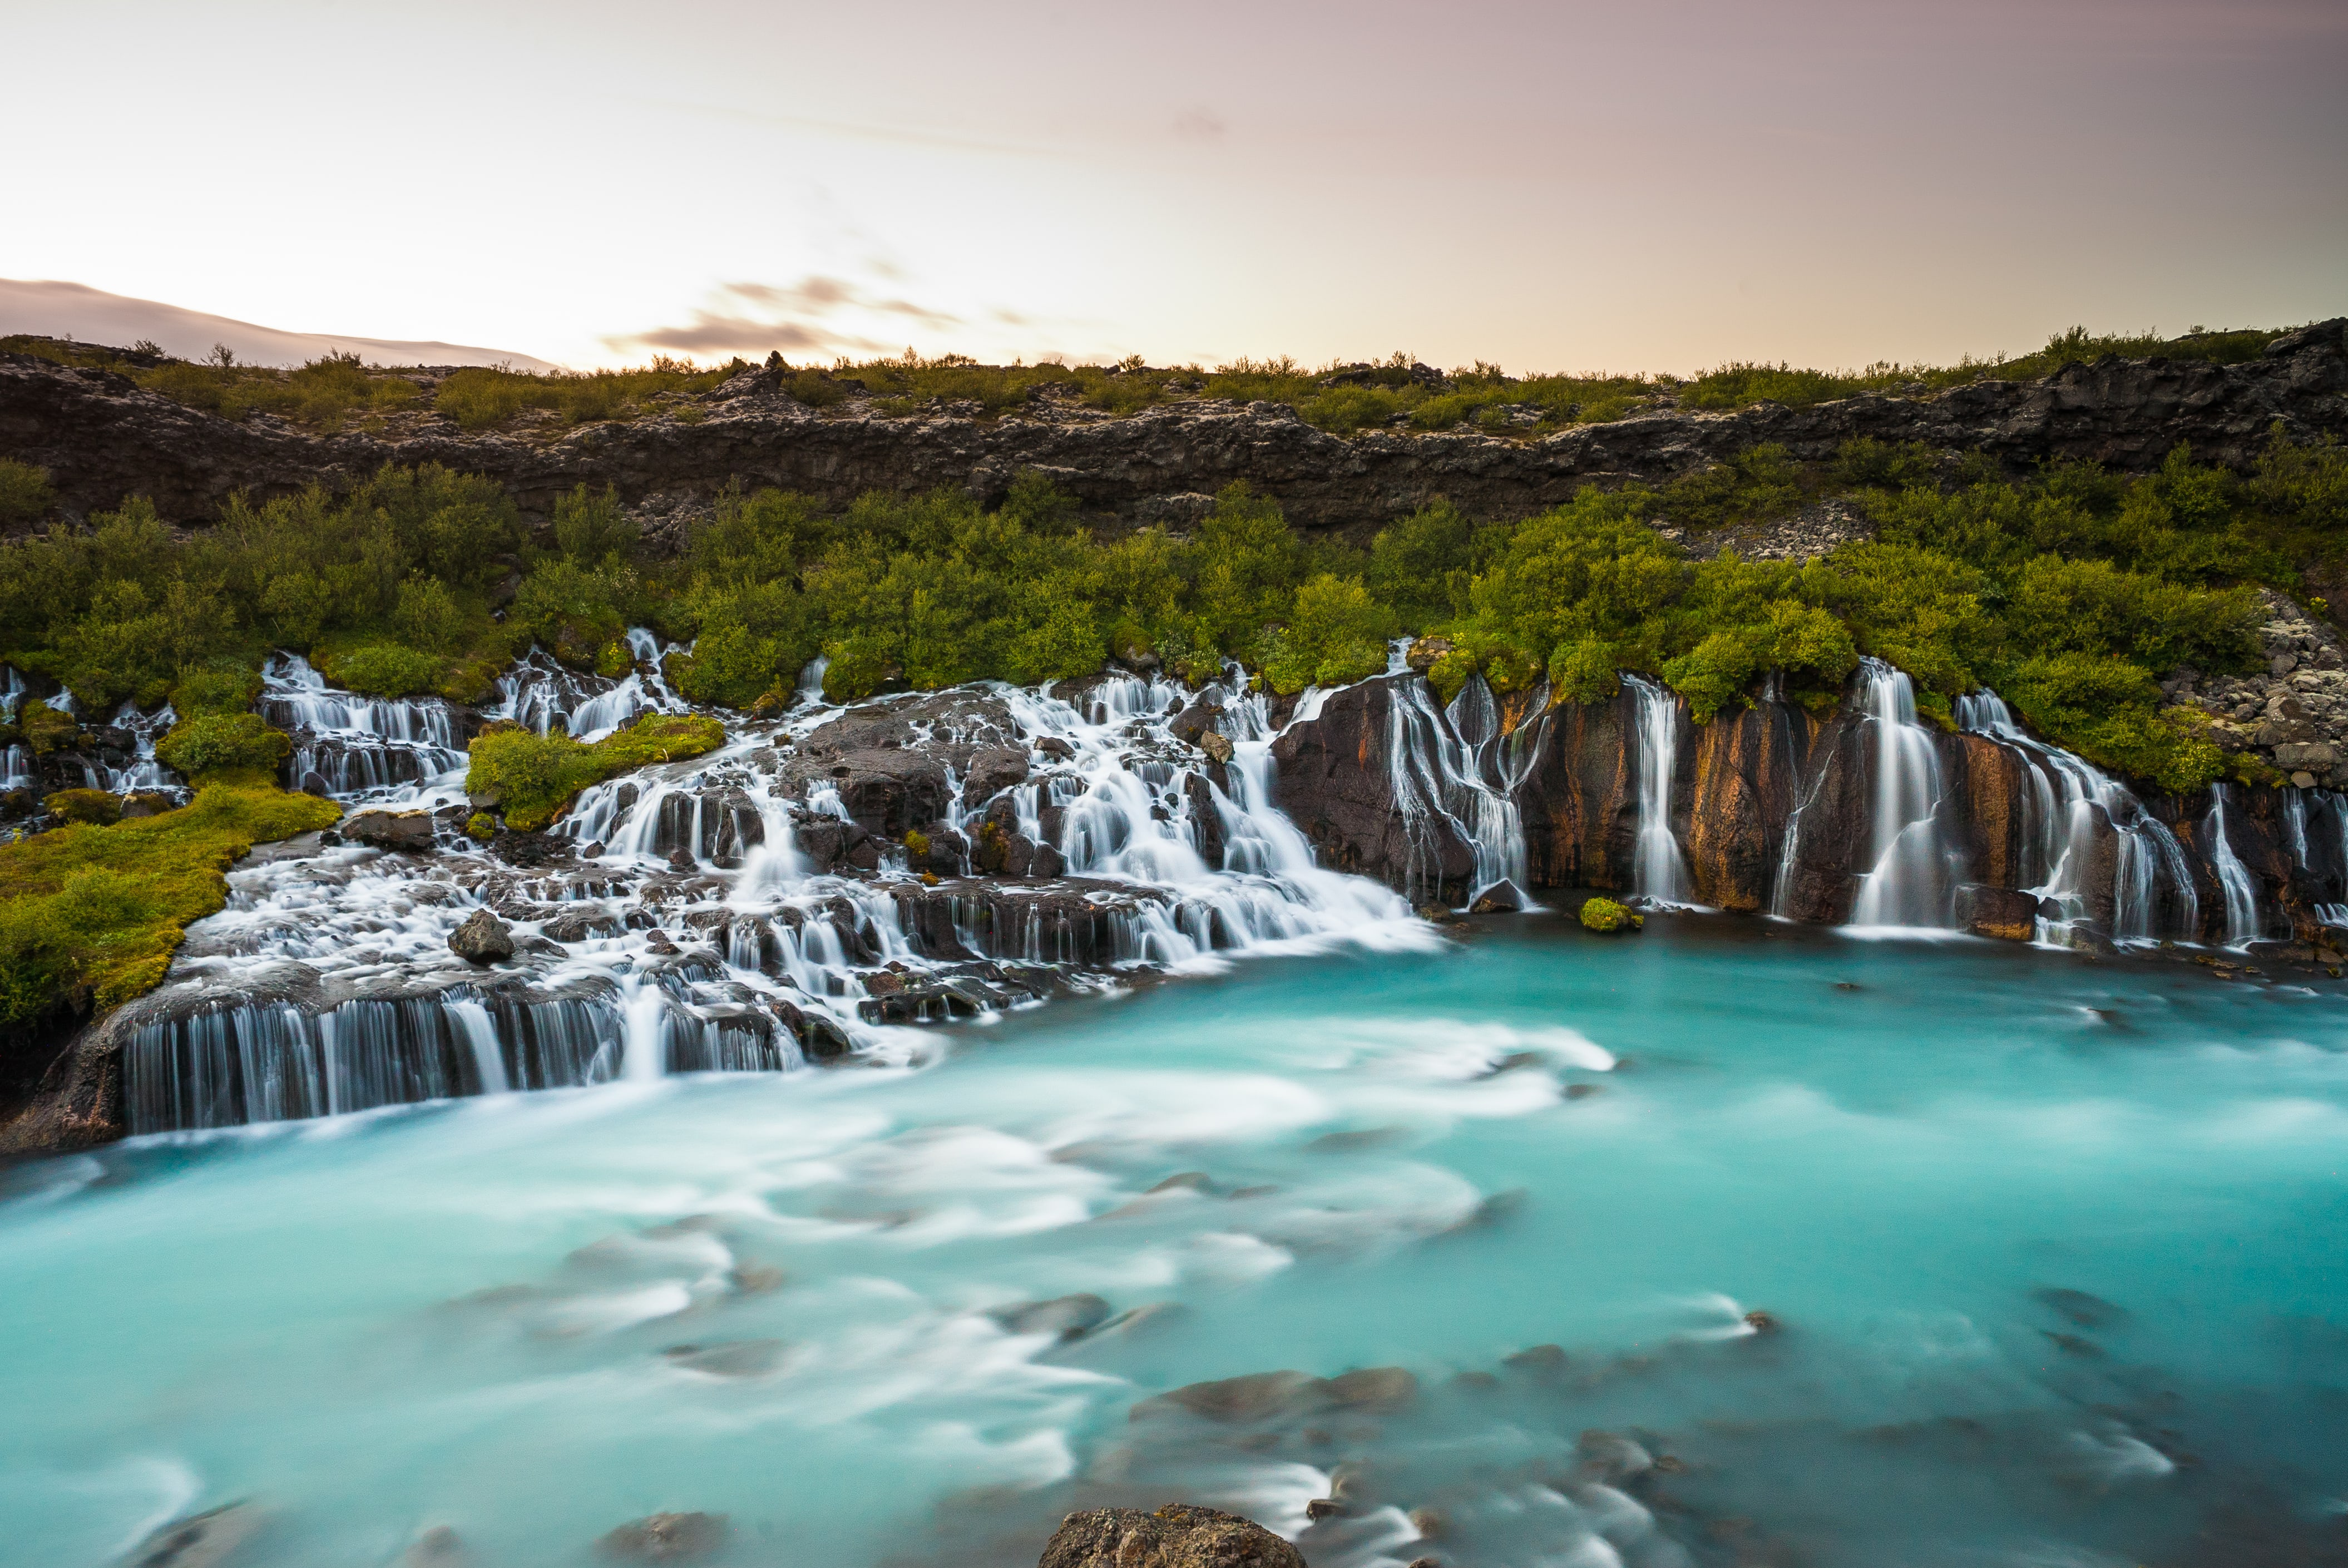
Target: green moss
{"x":385,"y":669}
{"x":1604,"y":914}
{"x":91,"y":915}
{"x":46,"y":729}
{"x":534,"y":778}
{"x":85,"y":806}
{"x":482,"y":827}
{"x":208,"y":743}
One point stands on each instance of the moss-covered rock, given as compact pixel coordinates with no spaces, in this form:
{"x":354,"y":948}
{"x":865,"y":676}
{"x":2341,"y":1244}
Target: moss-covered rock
{"x":85,"y":806}
{"x":1605,"y":916}
{"x":534,"y":778}
{"x":213,"y":742}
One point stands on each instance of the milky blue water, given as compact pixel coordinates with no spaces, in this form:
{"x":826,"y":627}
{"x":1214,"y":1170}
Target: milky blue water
{"x":471,"y":1315}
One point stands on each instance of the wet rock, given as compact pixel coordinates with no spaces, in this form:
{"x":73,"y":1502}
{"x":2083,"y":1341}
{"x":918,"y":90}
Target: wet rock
{"x":665,"y":1538}
{"x":1426,"y":652}
{"x":1583,"y":1090}
{"x":1371,"y":1388}
{"x":208,"y":1540}
{"x":1501,"y":898}
{"x":391,"y":830}
{"x":1068,"y":1316}
{"x":992,"y":772}
{"x":1196,"y":721}
{"x":2074,"y":1345}
{"x":483,"y":938}
{"x":1321,"y":1508}
{"x":1261,"y":1394}
{"x":1180,"y":1535}
{"x":1537,"y":1359}
{"x":1761,"y":1322}
{"x":1611,"y":1457}
{"x":582,"y":925}
{"x":1998,"y":912}
{"x":1218,"y":746}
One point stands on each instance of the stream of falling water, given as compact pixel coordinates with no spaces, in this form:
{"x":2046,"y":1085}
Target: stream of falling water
{"x":1659,"y":871}
{"x":1908,"y":884}
{"x":2067,"y":803}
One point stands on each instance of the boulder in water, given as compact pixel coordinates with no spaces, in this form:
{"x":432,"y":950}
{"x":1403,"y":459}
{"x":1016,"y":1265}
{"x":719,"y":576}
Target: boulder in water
{"x":1180,"y":1535}
{"x":439,"y":1547}
{"x":665,"y":1538}
{"x":391,"y":830}
{"x":1998,"y":912}
{"x":207,"y":1539}
{"x":1605,"y":916}
{"x":482,"y":939}
{"x":1501,"y":898}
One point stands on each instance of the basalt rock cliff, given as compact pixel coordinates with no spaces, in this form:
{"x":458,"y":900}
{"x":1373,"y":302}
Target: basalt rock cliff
{"x":101,"y":438}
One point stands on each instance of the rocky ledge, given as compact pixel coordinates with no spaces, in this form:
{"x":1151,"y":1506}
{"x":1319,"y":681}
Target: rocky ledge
{"x":102,"y":437}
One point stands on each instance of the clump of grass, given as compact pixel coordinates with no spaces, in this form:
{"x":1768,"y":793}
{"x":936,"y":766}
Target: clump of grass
{"x":89,"y":916}
{"x":532,"y":779}
{"x":479,"y":397}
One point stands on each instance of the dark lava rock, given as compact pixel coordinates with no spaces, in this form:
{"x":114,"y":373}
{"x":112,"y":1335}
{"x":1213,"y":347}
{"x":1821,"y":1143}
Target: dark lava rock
{"x":1761,"y":1322}
{"x":391,"y":830}
{"x":1180,"y":1535}
{"x":1262,"y":1394}
{"x":665,"y":1538}
{"x":482,"y":939}
{"x":1501,"y":898}
{"x":204,"y":1540}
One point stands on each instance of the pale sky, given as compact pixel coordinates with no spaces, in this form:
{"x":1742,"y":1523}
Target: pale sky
{"x":1564,"y":187}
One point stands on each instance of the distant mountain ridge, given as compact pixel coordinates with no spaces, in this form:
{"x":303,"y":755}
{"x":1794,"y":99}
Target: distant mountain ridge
{"x":56,"y":309}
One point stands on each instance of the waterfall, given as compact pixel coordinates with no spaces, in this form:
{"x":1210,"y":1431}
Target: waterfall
{"x":1658,"y":871}
{"x":1908,"y":884}
{"x":349,"y":747}
{"x":2242,"y":894}
{"x":1445,"y":768}
{"x":696,"y":937}
{"x":2069,"y":801}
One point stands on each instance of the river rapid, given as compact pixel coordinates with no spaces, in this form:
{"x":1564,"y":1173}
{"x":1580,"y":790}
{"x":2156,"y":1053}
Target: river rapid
{"x":2049,"y":1250}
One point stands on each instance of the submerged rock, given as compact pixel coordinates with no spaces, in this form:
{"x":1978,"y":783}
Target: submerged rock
{"x":1180,"y":1535}
{"x":2001,"y":913}
{"x":1069,"y":1316}
{"x":482,"y":939}
{"x":665,"y":1538}
{"x":391,"y":830}
{"x":207,"y":1539}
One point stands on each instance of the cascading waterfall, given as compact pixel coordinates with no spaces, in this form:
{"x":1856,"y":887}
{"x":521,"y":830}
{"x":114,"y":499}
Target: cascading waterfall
{"x":2242,"y":894}
{"x":1659,"y":871}
{"x":350,"y":747}
{"x":1908,"y":881}
{"x":688,"y":933}
{"x":1445,"y":768}
{"x":2067,"y":802}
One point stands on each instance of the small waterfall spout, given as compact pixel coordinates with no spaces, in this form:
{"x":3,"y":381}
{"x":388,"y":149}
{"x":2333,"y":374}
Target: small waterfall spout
{"x":2242,"y":894}
{"x":1908,"y":885}
{"x":2064,"y":807}
{"x":1658,"y":871}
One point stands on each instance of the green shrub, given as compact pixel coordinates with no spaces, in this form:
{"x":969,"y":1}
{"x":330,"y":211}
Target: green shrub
{"x":1585,"y":670}
{"x":1336,"y":634}
{"x":385,"y":669}
{"x":209,"y":743}
{"x":26,"y":494}
{"x":46,"y":729}
{"x":533,"y":779}
{"x":204,"y":691}
{"x":1604,"y":915}
{"x":482,"y":827}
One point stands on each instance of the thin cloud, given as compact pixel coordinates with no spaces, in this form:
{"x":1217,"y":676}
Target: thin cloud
{"x":1201,"y":125}
{"x":711,"y":334}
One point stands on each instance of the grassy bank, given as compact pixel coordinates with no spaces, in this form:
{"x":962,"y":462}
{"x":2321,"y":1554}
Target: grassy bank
{"x":90,"y":916}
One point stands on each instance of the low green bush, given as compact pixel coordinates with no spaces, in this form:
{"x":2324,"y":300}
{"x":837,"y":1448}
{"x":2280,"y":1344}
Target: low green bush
{"x":385,"y":669}
{"x":85,"y":806}
{"x":210,"y":743}
{"x":26,"y":493}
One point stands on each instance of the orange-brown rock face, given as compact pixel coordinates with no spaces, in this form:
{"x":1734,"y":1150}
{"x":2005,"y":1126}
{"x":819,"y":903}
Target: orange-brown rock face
{"x":1743,"y":782}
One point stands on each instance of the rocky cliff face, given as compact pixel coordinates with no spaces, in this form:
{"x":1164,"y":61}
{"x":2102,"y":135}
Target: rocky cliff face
{"x":101,"y":439}
{"x":1775,"y":809}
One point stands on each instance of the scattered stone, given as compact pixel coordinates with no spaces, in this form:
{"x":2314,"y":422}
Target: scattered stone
{"x":1321,"y":1508}
{"x":1609,"y":1457}
{"x":1180,"y":1535}
{"x":665,"y":1538}
{"x":482,"y":939}
{"x":1583,"y":1090}
{"x":1761,"y":1322}
{"x":1501,"y":898}
{"x":1540,"y":1358}
{"x":1217,"y":746}
{"x":1431,"y":1524}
